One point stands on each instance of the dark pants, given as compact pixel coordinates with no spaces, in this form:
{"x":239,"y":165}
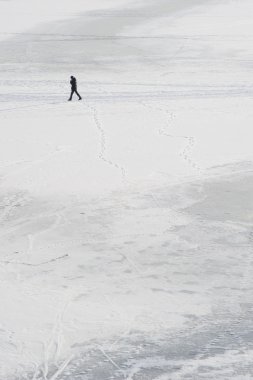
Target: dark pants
{"x":74,"y":90}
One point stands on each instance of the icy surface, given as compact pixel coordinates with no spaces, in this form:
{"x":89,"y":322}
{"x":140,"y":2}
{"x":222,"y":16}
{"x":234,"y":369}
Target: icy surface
{"x":126,"y":218}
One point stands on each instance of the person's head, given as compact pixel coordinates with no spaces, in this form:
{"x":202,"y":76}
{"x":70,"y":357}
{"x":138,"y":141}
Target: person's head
{"x":72,"y":77}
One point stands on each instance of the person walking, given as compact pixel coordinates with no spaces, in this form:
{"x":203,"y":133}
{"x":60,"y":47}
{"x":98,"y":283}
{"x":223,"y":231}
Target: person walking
{"x":73,"y":84}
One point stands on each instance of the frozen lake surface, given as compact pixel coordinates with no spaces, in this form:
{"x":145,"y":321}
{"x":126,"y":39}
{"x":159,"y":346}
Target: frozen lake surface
{"x":126,"y":218}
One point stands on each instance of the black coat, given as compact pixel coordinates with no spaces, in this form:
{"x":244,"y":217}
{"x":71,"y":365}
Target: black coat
{"x":73,"y":83}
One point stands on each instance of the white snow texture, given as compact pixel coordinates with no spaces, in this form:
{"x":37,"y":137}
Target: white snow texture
{"x":126,"y":217}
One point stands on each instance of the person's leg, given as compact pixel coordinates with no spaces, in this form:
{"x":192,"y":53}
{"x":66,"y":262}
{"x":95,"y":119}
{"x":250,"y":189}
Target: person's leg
{"x":79,"y":96}
{"x":71,"y":95}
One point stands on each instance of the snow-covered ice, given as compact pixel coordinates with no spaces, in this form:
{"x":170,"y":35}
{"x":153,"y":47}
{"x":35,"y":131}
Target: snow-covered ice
{"x":126,"y":218}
